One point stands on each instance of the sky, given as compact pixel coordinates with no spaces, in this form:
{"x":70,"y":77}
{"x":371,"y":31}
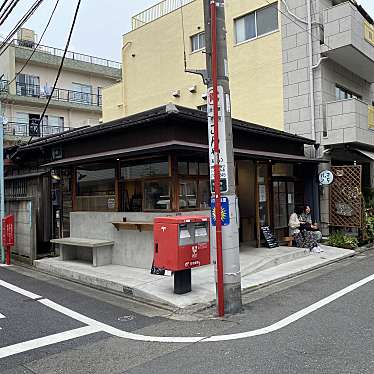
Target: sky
{"x":100,"y":24}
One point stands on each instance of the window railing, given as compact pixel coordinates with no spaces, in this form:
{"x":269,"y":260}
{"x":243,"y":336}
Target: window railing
{"x":59,"y":94}
{"x":157,"y":11}
{"x":71,"y":55}
{"x":32,"y":129}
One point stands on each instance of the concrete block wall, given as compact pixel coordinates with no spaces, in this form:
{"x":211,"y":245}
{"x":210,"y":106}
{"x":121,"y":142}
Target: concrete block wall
{"x":131,"y":247}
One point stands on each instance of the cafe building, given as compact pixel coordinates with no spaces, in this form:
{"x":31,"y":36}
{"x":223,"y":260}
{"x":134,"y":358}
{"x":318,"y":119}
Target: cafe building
{"x":82,"y":182}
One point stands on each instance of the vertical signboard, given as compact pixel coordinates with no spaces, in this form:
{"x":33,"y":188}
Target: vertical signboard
{"x":222,"y":139}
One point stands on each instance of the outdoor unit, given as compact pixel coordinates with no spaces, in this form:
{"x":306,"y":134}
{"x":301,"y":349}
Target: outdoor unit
{"x":26,"y":37}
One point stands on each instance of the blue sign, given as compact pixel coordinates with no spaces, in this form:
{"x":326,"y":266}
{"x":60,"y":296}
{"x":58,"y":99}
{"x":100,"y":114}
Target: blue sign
{"x":225,"y":211}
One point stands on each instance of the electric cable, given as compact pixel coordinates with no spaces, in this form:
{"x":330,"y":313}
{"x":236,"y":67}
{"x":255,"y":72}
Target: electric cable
{"x":183,"y":36}
{"x":60,"y":67}
{"x":3,"y":5}
{"x":37,"y":45}
{"x":6,"y":43}
{"x":8,"y":10}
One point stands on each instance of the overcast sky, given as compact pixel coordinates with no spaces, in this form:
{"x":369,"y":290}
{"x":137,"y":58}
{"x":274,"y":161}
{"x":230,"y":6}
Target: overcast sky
{"x":100,"y":24}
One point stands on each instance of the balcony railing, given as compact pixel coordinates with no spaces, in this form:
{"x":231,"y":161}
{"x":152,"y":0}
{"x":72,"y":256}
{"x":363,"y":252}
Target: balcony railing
{"x":157,"y":11}
{"x":71,"y":55}
{"x":33,"y":129}
{"x":59,"y":94}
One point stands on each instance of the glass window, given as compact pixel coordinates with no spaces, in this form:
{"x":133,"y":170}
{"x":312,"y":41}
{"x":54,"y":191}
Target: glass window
{"x":28,"y":85}
{"x":145,"y":168}
{"x":193,"y":168}
{"x":245,"y":28}
{"x":81,"y":93}
{"x":344,"y":94}
{"x":203,"y":168}
{"x":197,"y":42}
{"x":96,"y":188}
{"x":187,"y":194}
{"x":157,"y":195}
{"x":258,"y":23}
{"x":182,"y":167}
{"x":204,"y":194}
{"x":284,"y":206}
{"x":267,"y":20}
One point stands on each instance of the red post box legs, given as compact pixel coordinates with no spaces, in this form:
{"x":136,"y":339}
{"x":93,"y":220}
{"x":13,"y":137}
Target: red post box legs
{"x":7,"y":259}
{"x":182,"y":281}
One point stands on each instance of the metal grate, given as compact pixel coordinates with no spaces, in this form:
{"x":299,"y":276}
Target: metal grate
{"x":16,"y":188}
{"x":346,"y":197}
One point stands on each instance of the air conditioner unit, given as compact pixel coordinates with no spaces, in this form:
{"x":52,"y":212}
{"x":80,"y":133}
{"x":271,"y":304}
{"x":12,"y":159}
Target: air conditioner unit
{"x":176,"y":93}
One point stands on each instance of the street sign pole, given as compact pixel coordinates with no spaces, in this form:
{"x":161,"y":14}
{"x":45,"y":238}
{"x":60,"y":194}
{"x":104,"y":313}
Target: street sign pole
{"x":225,"y":236}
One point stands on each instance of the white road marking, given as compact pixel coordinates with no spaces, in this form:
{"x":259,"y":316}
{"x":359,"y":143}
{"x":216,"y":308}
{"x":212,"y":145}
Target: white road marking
{"x":21,"y":291}
{"x":2,"y":316}
{"x":45,"y":341}
{"x":96,"y":326}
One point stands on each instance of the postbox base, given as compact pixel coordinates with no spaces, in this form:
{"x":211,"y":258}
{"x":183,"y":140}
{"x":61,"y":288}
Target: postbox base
{"x":182,"y":281}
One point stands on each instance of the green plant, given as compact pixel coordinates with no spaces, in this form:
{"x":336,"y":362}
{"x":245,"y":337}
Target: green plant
{"x":370,"y":227}
{"x":340,"y":240}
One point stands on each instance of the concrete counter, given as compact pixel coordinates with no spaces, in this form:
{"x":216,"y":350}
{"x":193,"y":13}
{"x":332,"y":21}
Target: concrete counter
{"x":131,"y":247}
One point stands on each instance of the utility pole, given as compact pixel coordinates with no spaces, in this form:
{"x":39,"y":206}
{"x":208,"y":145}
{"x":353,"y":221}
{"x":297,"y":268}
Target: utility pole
{"x":225,"y":232}
{"x":2,"y":189}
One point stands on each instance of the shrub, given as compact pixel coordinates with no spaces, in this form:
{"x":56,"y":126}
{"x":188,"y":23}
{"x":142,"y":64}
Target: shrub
{"x":370,"y":227}
{"x":340,"y":240}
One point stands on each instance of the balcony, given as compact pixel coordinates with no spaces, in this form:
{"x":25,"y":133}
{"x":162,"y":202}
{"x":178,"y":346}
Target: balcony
{"x":349,"y":39}
{"x":14,"y":130}
{"x":157,"y":11}
{"x":74,"y":61}
{"x":349,"y":121}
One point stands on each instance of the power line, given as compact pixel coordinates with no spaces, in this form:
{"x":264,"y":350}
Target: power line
{"x":37,"y":45}
{"x":3,"y":5}
{"x":61,"y":65}
{"x":6,"y":43}
{"x":8,"y":10}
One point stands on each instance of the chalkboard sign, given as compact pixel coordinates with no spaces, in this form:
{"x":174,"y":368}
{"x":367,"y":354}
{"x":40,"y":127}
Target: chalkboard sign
{"x":270,"y":239}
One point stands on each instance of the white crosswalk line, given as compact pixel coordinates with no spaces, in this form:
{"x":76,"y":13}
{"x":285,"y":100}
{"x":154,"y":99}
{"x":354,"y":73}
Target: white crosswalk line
{"x":2,"y":316}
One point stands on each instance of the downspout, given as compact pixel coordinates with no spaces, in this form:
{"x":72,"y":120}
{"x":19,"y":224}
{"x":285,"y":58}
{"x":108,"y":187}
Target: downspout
{"x":311,"y":75}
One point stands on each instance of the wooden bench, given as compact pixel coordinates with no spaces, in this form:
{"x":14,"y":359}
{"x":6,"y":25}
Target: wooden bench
{"x":288,"y":240}
{"x":70,"y":249}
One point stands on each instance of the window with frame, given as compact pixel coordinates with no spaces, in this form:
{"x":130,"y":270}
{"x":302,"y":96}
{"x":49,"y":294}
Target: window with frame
{"x":261,"y":22}
{"x":81,"y":93}
{"x":198,"y":42}
{"x":28,"y":85}
{"x":146,"y":185}
{"x":342,"y":93}
{"x":193,"y":186}
{"x":96,"y":188}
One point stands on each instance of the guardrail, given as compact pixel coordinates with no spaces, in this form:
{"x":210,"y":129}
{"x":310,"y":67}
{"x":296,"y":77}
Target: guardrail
{"x":157,"y":11}
{"x":72,"y":55}
{"x":32,"y":129}
{"x":59,"y":94}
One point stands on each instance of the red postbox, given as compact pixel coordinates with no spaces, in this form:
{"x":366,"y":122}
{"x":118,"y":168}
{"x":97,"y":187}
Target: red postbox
{"x":181,"y":242}
{"x":8,"y":235}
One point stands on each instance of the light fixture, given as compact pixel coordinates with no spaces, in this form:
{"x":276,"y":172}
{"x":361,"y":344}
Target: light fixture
{"x":55,"y":176}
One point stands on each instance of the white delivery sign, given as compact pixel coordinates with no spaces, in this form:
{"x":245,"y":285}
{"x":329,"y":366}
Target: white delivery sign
{"x":222,"y":138}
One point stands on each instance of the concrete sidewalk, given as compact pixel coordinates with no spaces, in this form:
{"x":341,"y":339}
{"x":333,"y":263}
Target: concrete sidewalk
{"x":259,"y":267}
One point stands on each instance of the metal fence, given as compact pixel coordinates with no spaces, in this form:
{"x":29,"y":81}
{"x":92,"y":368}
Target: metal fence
{"x":157,"y":11}
{"x":32,"y":129}
{"x":59,"y":94}
{"x":72,"y":55}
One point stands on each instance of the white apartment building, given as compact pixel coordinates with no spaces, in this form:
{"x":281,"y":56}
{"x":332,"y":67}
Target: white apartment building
{"x":76,"y":101}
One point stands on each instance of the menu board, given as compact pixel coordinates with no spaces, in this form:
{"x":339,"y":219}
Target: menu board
{"x":270,"y":239}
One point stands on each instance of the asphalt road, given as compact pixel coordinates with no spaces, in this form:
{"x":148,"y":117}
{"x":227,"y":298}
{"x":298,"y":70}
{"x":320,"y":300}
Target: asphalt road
{"x":37,"y":330}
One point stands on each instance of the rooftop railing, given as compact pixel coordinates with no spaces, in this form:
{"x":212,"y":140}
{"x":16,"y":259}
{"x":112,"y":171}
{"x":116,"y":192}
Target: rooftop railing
{"x":71,"y":55}
{"x":157,"y":11}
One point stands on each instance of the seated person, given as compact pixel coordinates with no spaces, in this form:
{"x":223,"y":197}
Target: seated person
{"x":306,"y":222}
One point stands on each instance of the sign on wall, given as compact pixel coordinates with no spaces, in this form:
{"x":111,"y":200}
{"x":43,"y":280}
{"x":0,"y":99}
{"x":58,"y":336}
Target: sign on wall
{"x":326,"y":177}
{"x":222,"y":138}
{"x":225,"y":211}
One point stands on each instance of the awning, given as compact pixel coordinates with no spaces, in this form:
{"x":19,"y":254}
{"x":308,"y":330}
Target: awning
{"x":25,"y":176}
{"x":368,"y":154}
{"x":157,"y":147}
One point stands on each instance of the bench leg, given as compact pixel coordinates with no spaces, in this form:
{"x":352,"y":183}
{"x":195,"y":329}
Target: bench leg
{"x":67,"y":253}
{"x":102,"y":256}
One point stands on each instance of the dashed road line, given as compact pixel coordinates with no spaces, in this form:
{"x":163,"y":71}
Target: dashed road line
{"x":94,"y":326}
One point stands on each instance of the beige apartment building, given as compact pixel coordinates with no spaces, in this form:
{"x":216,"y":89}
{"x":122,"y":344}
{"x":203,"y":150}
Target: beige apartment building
{"x":76,"y":101}
{"x":154,"y":74}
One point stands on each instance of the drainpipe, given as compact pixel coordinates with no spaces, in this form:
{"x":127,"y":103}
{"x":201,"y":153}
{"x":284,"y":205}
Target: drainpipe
{"x":311,"y":75}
